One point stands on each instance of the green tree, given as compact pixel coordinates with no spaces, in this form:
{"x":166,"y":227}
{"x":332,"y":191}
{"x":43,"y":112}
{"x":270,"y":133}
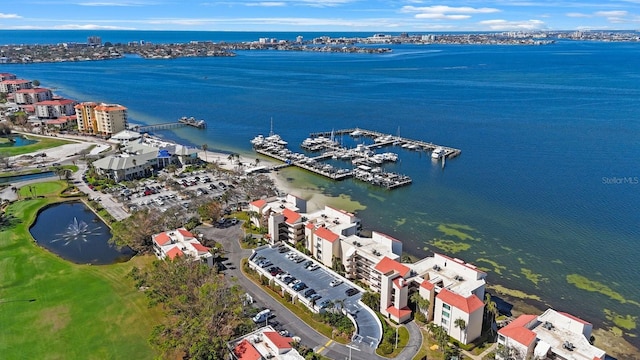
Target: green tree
{"x":421,"y":303}
{"x":172,"y":168}
{"x":490,"y":313}
{"x":136,"y":230}
{"x":205,"y":147}
{"x":372,"y":300}
{"x":462,"y":325}
{"x":204,"y":311}
{"x":36,"y":83}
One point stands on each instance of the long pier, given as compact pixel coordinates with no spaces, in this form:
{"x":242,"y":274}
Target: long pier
{"x":184,"y":121}
{"x":387,"y":139}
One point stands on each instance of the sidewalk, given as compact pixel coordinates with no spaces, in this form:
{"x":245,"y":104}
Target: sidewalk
{"x":481,"y":356}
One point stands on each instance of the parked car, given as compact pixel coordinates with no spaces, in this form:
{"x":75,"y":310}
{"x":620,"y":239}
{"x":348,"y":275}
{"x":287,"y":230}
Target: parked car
{"x":335,"y":282}
{"x":351,"y":291}
{"x":309,"y":292}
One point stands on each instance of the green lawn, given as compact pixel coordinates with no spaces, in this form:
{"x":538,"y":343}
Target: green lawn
{"x":42,"y":144}
{"x":79,"y":312}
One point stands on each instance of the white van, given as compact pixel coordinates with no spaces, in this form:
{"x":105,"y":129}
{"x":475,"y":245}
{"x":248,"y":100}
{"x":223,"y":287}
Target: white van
{"x":262,"y":316}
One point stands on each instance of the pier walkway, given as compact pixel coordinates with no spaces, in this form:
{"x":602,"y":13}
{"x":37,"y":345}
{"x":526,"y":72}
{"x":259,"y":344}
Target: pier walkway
{"x":184,"y":121}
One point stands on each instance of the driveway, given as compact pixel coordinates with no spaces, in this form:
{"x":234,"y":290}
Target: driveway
{"x":229,"y":237}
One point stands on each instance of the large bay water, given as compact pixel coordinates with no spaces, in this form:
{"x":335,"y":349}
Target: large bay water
{"x":545,"y":194}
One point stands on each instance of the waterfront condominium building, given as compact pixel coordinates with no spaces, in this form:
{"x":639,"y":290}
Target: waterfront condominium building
{"x":53,"y":109}
{"x":454,"y":288}
{"x":551,"y":335}
{"x":7,"y":76}
{"x":12,"y":85}
{"x":32,"y":96}
{"x":101,"y":119}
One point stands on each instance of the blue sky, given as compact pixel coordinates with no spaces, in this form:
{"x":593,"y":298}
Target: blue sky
{"x":321,"y":15}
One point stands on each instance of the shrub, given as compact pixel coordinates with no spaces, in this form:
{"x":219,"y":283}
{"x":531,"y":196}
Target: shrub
{"x":386,"y":348}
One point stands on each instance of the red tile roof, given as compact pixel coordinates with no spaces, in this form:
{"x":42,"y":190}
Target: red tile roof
{"x":15,"y":81}
{"x":290,"y":216}
{"x":245,"y":351}
{"x":427,"y":285}
{"x":281,"y":342}
{"x":58,"y":121}
{"x":517,"y":330}
{"x":55,"y":102}
{"x":259,"y":203}
{"x":396,"y":281}
{"x":200,"y":248}
{"x":387,"y":265}
{"x":184,"y":232}
{"x":162,"y":239}
{"x":34,"y":90}
{"x":327,"y":234}
{"x":574,"y":318}
{"x":398,"y":313}
{"x":310,"y":226}
{"x":108,"y":107}
{"x":468,"y":305}
{"x":174,"y":252}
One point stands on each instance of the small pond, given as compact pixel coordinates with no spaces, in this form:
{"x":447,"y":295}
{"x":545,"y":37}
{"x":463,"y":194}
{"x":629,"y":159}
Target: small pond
{"x":40,"y":175}
{"x":75,"y":233}
{"x":17,"y":141}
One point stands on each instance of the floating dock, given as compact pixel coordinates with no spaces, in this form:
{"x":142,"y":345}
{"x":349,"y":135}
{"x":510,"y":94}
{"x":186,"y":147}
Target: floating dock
{"x":367,"y":164}
{"x":382,"y":139}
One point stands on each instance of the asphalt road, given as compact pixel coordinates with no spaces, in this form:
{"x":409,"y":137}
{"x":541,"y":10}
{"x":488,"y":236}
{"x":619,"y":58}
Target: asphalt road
{"x":229,"y":237}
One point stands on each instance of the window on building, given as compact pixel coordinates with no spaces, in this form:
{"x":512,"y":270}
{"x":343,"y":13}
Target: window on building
{"x":445,"y":314}
{"x":447,"y":307}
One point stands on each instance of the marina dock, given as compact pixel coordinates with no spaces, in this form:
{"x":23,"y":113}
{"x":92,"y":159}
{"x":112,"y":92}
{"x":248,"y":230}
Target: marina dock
{"x":382,"y":139}
{"x":367,"y":164}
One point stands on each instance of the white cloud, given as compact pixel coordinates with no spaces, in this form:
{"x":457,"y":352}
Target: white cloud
{"x":267,"y":3}
{"x":578,"y":15}
{"x":442,"y":16}
{"x":112,"y":3}
{"x":612,"y":13}
{"x":443,"y":12}
{"x":443,"y":9}
{"x":10,"y":16}
{"x":90,"y":27}
{"x":504,"y":25}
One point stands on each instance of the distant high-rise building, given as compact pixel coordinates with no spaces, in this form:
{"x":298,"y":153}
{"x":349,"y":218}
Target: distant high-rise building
{"x":94,"y":40}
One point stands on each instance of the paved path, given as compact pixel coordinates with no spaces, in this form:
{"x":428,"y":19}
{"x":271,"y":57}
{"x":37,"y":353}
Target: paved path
{"x":481,"y":356}
{"x":229,"y":238}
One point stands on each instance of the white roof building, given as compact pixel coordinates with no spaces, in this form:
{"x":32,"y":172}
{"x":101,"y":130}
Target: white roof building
{"x":264,"y":343}
{"x":180,"y":242}
{"x":551,"y":335}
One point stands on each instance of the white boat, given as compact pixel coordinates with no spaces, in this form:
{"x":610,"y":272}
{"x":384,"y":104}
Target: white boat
{"x":258,"y":140}
{"x":356,"y":133}
{"x":437,"y":152}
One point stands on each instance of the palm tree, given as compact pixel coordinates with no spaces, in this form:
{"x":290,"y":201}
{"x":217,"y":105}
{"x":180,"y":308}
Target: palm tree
{"x":231,"y":157}
{"x":491,"y":312}
{"x":422,"y":303}
{"x":205,"y":147}
{"x":462,"y":325}
{"x":257,"y":161}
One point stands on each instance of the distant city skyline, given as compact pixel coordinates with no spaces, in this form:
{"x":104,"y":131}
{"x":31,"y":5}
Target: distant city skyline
{"x":322,"y":15}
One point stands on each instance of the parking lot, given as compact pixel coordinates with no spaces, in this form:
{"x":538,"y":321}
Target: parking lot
{"x":277,"y":263}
